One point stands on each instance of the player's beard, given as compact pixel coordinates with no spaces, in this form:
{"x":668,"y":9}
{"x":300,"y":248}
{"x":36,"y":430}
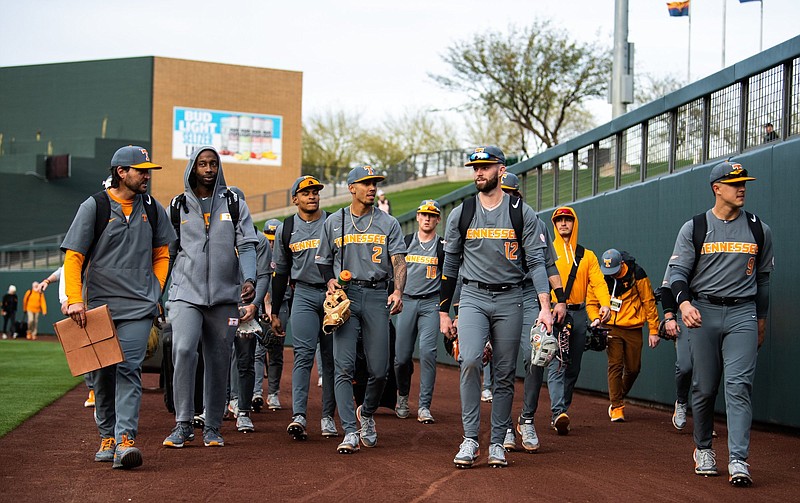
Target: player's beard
{"x":490,"y":183}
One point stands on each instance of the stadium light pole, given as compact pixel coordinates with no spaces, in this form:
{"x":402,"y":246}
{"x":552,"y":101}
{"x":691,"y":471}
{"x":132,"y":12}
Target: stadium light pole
{"x":622,"y":69}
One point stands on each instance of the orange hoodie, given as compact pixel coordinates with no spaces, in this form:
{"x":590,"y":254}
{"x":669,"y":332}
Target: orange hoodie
{"x":588,"y":274}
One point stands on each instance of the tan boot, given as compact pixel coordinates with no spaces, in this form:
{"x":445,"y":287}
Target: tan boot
{"x":28,"y":335}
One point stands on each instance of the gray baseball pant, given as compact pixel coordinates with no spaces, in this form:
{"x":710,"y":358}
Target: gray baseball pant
{"x":272,"y":358}
{"x":727,"y":340}
{"x":369,"y":316}
{"x":498,"y":316}
{"x":419,"y":317}
{"x":306,"y":318}
{"x":118,"y":388}
{"x":216,"y":327}
{"x":683,"y":364}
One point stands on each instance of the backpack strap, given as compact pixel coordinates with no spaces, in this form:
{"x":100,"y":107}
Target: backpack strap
{"x":233,"y":207}
{"x":101,"y":215}
{"x":758,"y":233}
{"x":515,"y":212}
{"x":177,"y":204}
{"x":151,"y":210}
{"x":440,"y":252}
{"x":467,"y":214}
{"x":286,"y":236}
{"x":408,"y":238}
{"x":579,"y":250}
{"x":699,"y":229}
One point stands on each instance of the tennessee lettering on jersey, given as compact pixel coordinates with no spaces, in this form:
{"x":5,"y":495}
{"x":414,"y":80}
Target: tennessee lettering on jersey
{"x":422,"y":259}
{"x":308,"y":244}
{"x":361,"y":239}
{"x":729,"y":247}
{"x":490,"y":233}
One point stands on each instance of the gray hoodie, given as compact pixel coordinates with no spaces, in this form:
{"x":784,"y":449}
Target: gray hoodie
{"x":207,"y":269}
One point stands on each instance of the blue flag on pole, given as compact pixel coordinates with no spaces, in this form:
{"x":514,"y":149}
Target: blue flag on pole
{"x":743,"y":1}
{"x":677,"y":9}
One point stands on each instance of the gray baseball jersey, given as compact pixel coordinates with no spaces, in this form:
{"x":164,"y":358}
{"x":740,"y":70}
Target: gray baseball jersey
{"x":303,"y":243}
{"x":423,"y":267}
{"x":727,"y":261}
{"x":369,"y":243}
{"x":490,"y":250}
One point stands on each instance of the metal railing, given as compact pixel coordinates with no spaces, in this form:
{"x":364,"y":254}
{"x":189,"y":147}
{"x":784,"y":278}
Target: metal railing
{"x":714,"y":118}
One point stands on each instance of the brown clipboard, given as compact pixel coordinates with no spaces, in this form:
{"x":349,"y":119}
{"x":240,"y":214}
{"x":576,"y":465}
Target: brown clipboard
{"x":92,"y":347}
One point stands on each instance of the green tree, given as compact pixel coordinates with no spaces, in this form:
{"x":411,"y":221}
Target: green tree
{"x":537,"y":76}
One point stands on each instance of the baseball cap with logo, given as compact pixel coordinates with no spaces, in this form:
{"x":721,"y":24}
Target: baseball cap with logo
{"x":269,"y":228}
{"x":510,"y":181}
{"x":486,"y":155}
{"x":306,"y":182}
{"x":729,"y":172}
{"x":362,"y":174}
{"x":563,"y":211}
{"x":610,"y":262}
{"x":430,"y":206}
{"x":133,"y":157}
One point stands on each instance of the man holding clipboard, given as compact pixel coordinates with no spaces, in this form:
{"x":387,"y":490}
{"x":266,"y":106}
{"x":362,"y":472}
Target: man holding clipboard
{"x":121,"y":263}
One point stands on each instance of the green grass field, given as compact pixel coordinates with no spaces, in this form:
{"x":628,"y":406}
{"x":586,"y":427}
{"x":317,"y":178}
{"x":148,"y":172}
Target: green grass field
{"x":34,"y":375}
{"x":406,"y":200}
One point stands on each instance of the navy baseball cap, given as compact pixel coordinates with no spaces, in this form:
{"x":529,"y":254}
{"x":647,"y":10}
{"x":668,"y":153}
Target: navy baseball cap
{"x":610,"y":262}
{"x":729,"y":172}
{"x":486,"y":155}
{"x":270,"y":226}
{"x":510,"y":181}
{"x":306,"y":182}
{"x":362,"y":174}
{"x":133,"y":157}
{"x":430,"y":206}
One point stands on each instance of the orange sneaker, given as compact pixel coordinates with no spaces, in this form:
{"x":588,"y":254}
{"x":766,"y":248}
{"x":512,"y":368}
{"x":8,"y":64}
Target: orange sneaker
{"x":89,"y":400}
{"x":618,"y":414}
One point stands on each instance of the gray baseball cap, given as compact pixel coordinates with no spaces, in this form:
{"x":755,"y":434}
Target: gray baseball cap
{"x":133,"y":157}
{"x":270,"y":226}
{"x":306,"y":182}
{"x":610,"y":262}
{"x":362,"y":174}
{"x":510,"y":181}
{"x":729,"y":172}
{"x":486,"y":155}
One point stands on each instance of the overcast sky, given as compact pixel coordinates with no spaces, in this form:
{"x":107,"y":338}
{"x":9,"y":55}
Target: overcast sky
{"x":372,"y":57}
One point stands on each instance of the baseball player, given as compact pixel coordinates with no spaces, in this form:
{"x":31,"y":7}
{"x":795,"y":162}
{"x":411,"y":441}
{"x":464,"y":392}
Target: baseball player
{"x":579,"y":271}
{"x":215,"y":249}
{"x":243,"y":359}
{"x":271,"y":354}
{"x":420,"y":316}
{"x":683,"y":361}
{"x":632,"y":304}
{"x":367,"y":242}
{"x":126,"y":268}
{"x":532,"y":382}
{"x":491,"y":299}
{"x":719,"y":274}
{"x":299,"y":267}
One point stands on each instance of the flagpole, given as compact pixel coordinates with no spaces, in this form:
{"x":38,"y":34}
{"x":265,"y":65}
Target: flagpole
{"x":724,"y":6}
{"x":689,"y":56}
{"x":761,"y":30}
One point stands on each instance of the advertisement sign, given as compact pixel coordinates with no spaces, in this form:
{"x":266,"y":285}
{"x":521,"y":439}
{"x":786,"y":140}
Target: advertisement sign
{"x":237,"y":136}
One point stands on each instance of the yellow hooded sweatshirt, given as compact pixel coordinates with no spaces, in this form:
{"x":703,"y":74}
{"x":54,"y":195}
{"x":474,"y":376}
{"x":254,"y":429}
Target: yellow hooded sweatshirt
{"x":588,"y":274}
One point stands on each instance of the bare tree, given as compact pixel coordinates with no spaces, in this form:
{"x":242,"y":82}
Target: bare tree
{"x":332,"y":141}
{"x":537,"y":76}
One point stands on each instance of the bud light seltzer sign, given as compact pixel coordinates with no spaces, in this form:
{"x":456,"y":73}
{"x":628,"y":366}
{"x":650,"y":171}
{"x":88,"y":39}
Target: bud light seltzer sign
{"x":237,"y":136}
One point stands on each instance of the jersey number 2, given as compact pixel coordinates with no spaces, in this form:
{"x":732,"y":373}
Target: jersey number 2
{"x":511,"y":250}
{"x":376,"y":254}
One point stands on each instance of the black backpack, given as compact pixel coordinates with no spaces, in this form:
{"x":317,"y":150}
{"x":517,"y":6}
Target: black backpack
{"x":179,"y":202}
{"x":103,"y":213}
{"x":700,"y":228}
{"x":514,"y":211}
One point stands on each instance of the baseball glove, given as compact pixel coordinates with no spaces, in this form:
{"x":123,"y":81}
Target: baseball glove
{"x":268,"y":338}
{"x":662,"y":330}
{"x":451,"y":346}
{"x":597,"y":338}
{"x":249,"y":329}
{"x":152,"y":342}
{"x":543,"y":345}
{"x":564,"y":331}
{"x":337,"y":311}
